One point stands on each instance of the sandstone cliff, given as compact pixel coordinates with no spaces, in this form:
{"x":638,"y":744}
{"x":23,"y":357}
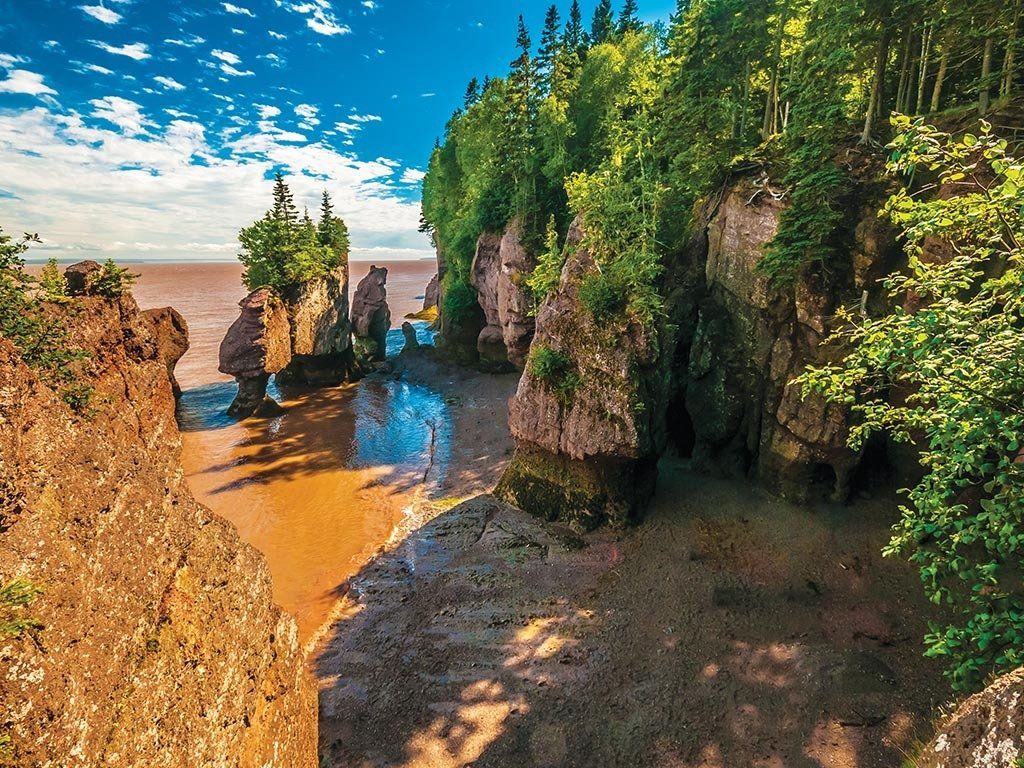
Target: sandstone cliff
{"x":159,"y":644}
{"x":715,"y":373}
{"x":499,"y":271}
{"x":585,"y":451}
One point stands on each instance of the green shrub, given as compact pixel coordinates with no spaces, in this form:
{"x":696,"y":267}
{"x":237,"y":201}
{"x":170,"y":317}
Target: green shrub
{"x":548,"y":273}
{"x":15,"y":597}
{"x":111,"y":281}
{"x":957,"y":352}
{"x":602,"y":296}
{"x":39,"y":335}
{"x":53,"y":283}
{"x":555,"y":369}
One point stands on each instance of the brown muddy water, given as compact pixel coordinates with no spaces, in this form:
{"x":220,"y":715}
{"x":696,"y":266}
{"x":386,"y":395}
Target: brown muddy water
{"x":320,"y":488}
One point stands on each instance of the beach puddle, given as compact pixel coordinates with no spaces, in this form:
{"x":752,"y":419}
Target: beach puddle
{"x":319,"y":489}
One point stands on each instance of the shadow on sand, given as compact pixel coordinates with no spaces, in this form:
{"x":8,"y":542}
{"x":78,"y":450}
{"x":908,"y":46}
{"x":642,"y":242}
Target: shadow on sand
{"x":729,"y":630}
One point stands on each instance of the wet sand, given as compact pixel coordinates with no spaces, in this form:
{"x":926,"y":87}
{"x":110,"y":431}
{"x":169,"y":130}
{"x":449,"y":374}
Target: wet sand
{"x":321,"y":488}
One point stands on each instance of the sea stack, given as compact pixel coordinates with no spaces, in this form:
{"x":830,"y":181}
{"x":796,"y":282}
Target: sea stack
{"x":257,"y":346}
{"x":371,"y":316}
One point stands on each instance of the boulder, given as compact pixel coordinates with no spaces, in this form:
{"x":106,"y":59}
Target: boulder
{"x":371,"y":316}
{"x":171,"y":333}
{"x":77,"y":277}
{"x":585,"y":452}
{"x":986,"y":731}
{"x":257,"y":345}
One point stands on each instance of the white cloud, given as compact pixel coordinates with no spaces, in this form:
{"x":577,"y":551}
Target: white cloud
{"x":227,"y":69}
{"x":267,"y":111}
{"x":412,"y":176}
{"x":365,"y":118}
{"x":238,"y":10}
{"x":370,"y":5}
{"x":191,"y":42}
{"x":170,"y":83}
{"x":168,"y":193}
{"x":100,"y":13}
{"x":97,"y":69}
{"x":7,"y":60}
{"x":179,"y":113}
{"x":124,"y":113}
{"x":308,"y":113}
{"x":427,"y":95}
{"x":235,"y":31}
{"x":273,"y":58}
{"x":276,"y":35}
{"x":23,"y":81}
{"x":319,"y":16}
{"x":348,"y":128}
{"x":137,"y":51}
{"x":226,"y":56}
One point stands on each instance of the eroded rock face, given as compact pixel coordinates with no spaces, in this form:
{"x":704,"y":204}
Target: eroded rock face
{"x":515,"y":302}
{"x":500,"y":268}
{"x":171,"y":333}
{"x":752,"y":339}
{"x":257,"y":345}
{"x":160,"y":644}
{"x":371,"y":316}
{"x":987,"y":731}
{"x":411,"y":341}
{"x":585,"y":452}
{"x":432,"y":293}
{"x":321,"y":334}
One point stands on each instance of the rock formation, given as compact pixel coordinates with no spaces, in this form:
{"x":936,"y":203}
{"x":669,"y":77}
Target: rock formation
{"x":432,"y":294}
{"x":371,"y":316}
{"x":257,"y":345}
{"x":585,"y":452}
{"x":500,"y":268}
{"x":409,"y":332}
{"x":300,"y":333}
{"x":76,"y":277}
{"x":321,"y":335}
{"x":171,"y":334}
{"x":987,"y":731}
{"x":159,"y":644}
{"x":716,"y":375}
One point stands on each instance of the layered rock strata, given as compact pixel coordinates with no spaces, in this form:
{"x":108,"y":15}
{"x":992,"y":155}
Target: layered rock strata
{"x":371,"y":315}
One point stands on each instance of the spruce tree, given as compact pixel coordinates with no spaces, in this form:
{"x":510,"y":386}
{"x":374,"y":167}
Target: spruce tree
{"x":575,"y":37}
{"x":628,"y":20}
{"x":603,"y":25}
{"x":550,"y":44}
{"x":472,"y":93}
{"x":284,"y":204}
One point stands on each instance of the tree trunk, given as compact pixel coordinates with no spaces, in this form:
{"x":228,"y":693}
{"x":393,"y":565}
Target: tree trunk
{"x":922,"y":73}
{"x":1009,"y":63}
{"x":904,"y":83}
{"x":876,"y":102}
{"x":941,"y":76}
{"x":772,"y":102}
{"x":986,"y":73}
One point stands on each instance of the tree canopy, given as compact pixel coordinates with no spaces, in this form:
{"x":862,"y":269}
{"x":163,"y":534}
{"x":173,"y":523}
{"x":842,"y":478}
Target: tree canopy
{"x":285,"y":248}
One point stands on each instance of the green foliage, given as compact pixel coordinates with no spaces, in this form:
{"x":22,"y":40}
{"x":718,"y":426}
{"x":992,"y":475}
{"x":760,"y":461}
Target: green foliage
{"x":284,"y":249}
{"x":15,"y":597}
{"x":546,"y":275}
{"x":38,"y":333}
{"x":954,"y":342}
{"x":53,"y":283}
{"x":111,"y":281}
{"x":555,"y":369}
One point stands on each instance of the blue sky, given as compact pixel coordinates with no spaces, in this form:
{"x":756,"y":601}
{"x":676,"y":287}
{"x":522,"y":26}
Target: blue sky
{"x":148,"y":128}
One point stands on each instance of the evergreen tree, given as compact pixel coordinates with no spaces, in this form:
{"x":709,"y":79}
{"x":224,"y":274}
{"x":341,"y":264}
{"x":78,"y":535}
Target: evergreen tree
{"x":284,"y":204}
{"x":52,"y":281}
{"x":472,"y":93}
{"x":332,"y":233}
{"x":628,"y":20}
{"x":575,"y":37}
{"x":551,"y":45}
{"x":602,"y":27}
